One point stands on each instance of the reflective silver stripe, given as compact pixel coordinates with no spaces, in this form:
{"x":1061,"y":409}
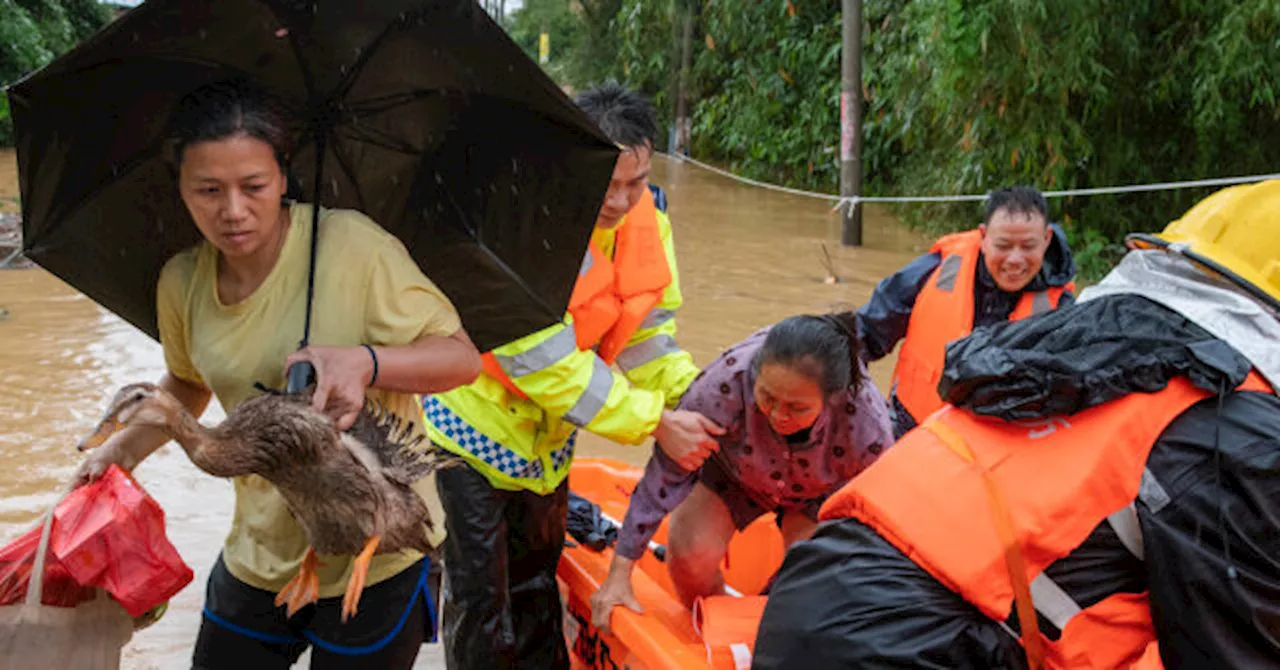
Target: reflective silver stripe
{"x":657,"y":317}
{"x":1151,"y":493}
{"x":948,"y":272}
{"x":544,"y":355}
{"x":587,"y":262}
{"x":1125,"y":523}
{"x":1040,"y":302}
{"x":1052,"y":602}
{"x":593,"y":397}
{"x":647,"y":351}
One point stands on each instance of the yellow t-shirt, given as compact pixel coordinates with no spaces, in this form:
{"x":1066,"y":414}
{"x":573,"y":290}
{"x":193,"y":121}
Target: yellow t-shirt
{"x":367,"y":291}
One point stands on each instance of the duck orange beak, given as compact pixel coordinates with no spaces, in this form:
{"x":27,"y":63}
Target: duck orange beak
{"x":105,"y":429}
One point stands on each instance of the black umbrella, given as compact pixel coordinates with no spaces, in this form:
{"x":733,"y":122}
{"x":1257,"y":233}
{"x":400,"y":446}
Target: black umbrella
{"x":429,"y":119}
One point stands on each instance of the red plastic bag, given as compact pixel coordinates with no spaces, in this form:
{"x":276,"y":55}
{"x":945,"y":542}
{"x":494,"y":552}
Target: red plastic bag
{"x":107,"y":534}
{"x":16,"y":561}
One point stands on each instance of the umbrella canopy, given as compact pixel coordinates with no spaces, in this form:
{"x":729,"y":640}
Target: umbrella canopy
{"x":429,"y":119}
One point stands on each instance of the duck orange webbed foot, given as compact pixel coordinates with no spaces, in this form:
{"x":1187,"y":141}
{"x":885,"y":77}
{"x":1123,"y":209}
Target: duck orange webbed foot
{"x":359,"y":571}
{"x":304,"y":588}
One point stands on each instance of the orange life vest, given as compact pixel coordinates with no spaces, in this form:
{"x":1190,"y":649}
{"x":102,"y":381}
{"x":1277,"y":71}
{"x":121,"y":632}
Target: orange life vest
{"x":612,"y":296}
{"x":969,"y":497}
{"x":944,"y":312}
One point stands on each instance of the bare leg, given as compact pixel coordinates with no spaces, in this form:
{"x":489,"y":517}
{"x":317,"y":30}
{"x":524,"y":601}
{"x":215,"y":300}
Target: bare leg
{"x":700,"y":530}
{"x":796,"y":527}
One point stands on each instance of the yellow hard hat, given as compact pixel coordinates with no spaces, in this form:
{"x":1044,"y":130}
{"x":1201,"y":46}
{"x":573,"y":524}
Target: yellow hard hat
{"x":1234,"y":233}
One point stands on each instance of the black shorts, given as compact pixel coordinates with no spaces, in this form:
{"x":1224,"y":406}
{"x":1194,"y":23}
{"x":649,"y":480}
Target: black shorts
{"x":244,"y":630}
{"x":745,"y":507}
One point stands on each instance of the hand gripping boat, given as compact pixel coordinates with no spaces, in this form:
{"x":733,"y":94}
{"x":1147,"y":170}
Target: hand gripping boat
{"x":719,"y":633}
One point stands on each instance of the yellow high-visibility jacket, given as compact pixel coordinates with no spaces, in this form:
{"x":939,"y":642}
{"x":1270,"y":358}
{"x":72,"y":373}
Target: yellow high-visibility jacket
{"x":521,"y":444}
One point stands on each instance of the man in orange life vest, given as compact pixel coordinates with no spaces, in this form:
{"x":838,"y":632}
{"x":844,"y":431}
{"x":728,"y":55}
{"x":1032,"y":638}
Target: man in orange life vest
{"x":1014,"y":265}
{"x":515,"y":427}
{"x":1103,"y":491}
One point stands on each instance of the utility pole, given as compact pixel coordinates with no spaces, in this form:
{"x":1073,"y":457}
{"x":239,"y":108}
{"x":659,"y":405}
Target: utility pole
{"x":851,"y":121}
{"x":683,"y":123}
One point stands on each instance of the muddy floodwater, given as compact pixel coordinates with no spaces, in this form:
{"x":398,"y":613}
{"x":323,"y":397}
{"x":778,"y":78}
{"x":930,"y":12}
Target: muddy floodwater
{"x":747,"y":257}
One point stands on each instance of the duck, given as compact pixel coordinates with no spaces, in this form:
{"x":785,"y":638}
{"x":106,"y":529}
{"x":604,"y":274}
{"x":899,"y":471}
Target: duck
{"x":350,"y":491}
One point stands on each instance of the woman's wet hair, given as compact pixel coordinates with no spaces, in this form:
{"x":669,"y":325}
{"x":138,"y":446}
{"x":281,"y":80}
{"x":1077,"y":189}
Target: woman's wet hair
{"x":226,"y":109}
{"x":823,"y":348}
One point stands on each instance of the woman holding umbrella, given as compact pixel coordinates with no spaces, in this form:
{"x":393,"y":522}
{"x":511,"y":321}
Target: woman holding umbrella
{"x":385,"y":332}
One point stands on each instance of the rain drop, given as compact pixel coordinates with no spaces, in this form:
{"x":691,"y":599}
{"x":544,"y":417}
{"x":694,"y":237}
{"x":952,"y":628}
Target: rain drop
{"x":546,"y":245}
{"x":515,"y":191}
{"x":135,"y":36}
{"x":515,"y":166}
{"x":334,"y":183}
{"x":493,"y":189}
{"x":203,"y":34}
{"x":439,"y":179}
{"x":546,"y":211}
{"x":395,"y":180}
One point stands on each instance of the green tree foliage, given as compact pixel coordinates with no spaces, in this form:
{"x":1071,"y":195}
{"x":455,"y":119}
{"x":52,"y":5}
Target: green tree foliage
{"x":1072,"y":95}
{"x":769,"y":100}
{"x":962,"y":97}
{"x":34,"y":32}
{"x":563,"y":26}
{"x":647,"y":35}
{"x":597,"y":48}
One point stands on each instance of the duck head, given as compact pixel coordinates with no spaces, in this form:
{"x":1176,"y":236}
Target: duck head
{"x":136,"y":404}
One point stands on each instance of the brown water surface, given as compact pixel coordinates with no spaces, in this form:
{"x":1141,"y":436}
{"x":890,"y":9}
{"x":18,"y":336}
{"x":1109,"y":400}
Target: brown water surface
{"x":748,"y":257}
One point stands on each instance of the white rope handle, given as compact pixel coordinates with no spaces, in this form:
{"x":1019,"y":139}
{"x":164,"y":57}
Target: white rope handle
{"x":35,"y":585}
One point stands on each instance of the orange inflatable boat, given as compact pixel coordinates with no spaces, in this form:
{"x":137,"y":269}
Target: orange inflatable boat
{"x":719,"y":634}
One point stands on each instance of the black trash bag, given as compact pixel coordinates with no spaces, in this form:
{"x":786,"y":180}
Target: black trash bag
{"x":1082,"y":356}
{"x":588,"y":526}
{"x":849,"y":599}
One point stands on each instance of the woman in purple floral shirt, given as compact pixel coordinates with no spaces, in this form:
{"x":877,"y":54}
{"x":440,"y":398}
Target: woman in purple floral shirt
{"x":801,"y":418}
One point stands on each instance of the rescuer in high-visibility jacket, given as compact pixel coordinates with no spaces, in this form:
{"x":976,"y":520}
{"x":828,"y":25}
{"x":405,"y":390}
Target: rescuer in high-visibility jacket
{"x":515,"y":426}
{"x":1013,"y":266}
{"x":1103,"y":492}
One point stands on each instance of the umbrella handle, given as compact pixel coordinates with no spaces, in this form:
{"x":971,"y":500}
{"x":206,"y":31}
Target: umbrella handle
{"x":300,"y":375}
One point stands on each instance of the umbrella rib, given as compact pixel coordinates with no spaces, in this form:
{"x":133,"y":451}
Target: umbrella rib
{"x":382,"y":103}
{"x":378,"y":139}
{"x":83,"y":202}
{"x":344,"y":162}
{"x":501,"y":263}
{"x":349,"y":79}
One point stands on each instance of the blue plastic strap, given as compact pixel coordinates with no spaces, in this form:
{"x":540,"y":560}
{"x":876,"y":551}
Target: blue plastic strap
{"x":377,"y":646}
{"x":269,"y":638}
